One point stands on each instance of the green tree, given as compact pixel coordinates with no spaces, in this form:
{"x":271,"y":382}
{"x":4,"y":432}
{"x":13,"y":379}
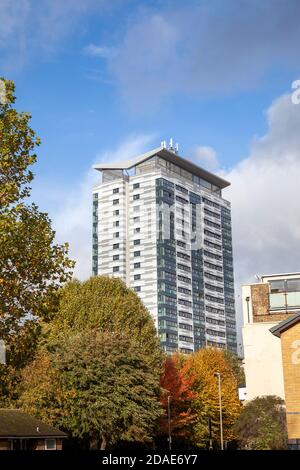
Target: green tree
{"x":105,"y":304}
{"x":99,"y":387}
{"x":98,"y":365}
{"x":32,"y":266}
{"x":262,"y":424}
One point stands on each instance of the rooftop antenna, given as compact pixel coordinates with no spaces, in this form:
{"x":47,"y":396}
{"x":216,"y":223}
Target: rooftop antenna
{"x":163,"y":144}
{"x":173,"y":148}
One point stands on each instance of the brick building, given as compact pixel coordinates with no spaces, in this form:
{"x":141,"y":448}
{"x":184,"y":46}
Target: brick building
{"x":20,"y":431}
{"x":289,"y":333}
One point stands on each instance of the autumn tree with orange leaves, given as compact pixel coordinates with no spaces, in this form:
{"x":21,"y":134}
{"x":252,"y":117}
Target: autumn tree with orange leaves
{"x":178,"y":386}
{"x":191,"y":383}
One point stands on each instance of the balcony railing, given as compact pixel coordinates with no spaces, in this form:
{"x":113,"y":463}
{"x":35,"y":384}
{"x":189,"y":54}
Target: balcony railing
{"x":284,"y":300}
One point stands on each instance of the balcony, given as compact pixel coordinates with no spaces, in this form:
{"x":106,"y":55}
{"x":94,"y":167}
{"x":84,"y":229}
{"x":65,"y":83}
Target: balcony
{"x":284,"y":300}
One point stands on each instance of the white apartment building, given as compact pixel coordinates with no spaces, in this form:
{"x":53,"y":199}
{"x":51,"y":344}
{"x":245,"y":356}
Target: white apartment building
{"x":161,"y":224}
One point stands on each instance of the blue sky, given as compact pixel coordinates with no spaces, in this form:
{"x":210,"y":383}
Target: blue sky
{"x":108,"y":79}
{"x":79,"y":101}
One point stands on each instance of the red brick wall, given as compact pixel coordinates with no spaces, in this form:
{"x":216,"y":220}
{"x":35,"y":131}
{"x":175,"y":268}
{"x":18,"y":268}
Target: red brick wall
{"x":290,"y":346}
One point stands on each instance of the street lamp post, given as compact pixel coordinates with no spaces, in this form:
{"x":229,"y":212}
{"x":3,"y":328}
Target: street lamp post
{"x":217,"y":374}
{"x":169,"y":424}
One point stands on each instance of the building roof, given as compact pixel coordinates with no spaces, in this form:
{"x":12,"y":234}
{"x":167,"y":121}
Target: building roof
{"x":285,"y":324}
{"x":169,"y":156}
{"x":280,"y":275}
{"x":264,"y":277}
{"x":15,"y":423}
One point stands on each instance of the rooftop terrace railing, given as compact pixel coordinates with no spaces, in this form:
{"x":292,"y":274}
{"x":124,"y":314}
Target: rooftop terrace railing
{"x":284,"y":300}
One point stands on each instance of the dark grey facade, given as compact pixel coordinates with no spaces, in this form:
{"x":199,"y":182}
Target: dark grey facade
{"x":194,"y":270}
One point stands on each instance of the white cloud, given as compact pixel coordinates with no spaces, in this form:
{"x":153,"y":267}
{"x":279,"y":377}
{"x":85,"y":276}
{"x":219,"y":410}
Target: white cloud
{"x":203,"y":48}
{"x":264,"y":195}
{"x":72,"y":220}
{"x":30,"y":27}
{"x":265,"y":201}
{"x":206,"y":157}
{"x":13,"y":16}
{"x":102,"y":52}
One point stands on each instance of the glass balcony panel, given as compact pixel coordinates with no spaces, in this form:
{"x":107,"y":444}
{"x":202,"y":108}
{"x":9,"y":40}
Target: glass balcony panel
{"x":293,"y":299}
{"x":282,"y":300}
{"x":277,"y":301}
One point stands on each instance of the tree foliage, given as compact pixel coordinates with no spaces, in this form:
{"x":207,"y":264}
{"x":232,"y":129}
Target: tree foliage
{"x":105,"y":304}
{"x":97,"y":386}
{"x":177,"y":386}
{"x":236,"y":365}
{"x":40,"y":392}
{"x":201,"y":367}
{"x":262,"y":424}
{"x":32,"y":266}
{"x":98,"y":367}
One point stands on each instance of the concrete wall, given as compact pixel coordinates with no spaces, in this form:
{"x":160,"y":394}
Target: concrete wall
{"x":263,"y":364}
